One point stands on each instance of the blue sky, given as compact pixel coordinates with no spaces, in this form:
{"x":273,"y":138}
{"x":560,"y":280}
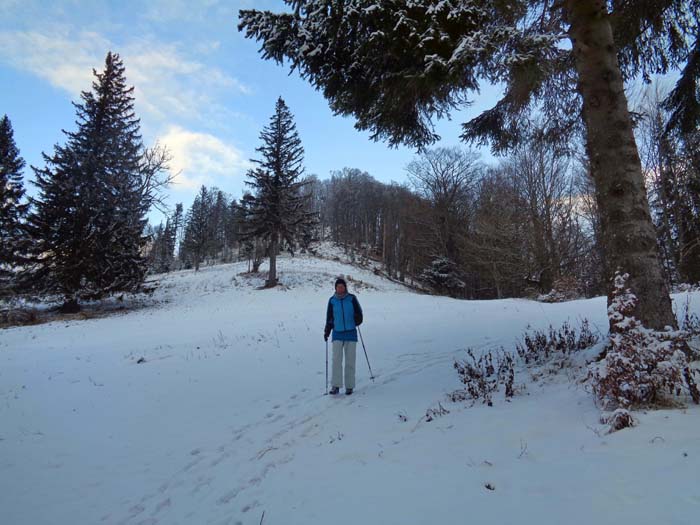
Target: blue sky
{"x":201,"y":88}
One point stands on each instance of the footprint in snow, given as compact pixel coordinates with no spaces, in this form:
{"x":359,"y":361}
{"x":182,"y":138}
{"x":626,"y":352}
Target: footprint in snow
{"x":250,"y":506}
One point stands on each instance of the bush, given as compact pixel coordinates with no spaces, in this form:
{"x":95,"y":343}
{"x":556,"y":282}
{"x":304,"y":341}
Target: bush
{"x":690,"y":322}
{"x":484,"y":376}
{"x":618,"y":419}
{"x":434,"y":413}
{"x":641,"y":367}
{"x":564,"y":289}
{"x":539,"y":347}
{"x":18,"y":317}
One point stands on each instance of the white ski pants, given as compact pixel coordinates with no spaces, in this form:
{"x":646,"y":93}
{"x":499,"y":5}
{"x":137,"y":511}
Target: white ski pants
{"x":347,"y":348}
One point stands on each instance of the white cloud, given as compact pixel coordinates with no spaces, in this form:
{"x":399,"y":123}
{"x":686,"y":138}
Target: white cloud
{"x":167,"y":84}
{"x":201,"y":158}
{"x":56,"y":57}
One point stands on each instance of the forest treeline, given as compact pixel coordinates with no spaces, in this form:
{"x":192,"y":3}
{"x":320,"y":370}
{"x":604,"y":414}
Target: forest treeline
{"x":525,"y":226}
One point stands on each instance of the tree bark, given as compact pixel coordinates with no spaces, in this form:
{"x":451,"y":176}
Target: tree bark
{"x":272,"y":275}
{"x":629,"y":238}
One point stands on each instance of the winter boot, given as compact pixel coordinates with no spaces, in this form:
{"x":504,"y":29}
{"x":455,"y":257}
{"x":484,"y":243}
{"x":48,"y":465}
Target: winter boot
{"x":348,"y":391}
{"x":334,"y":390}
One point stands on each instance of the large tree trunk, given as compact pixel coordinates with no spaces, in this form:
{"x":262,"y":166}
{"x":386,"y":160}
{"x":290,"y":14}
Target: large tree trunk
{"x":629,"y":238}
{"x":272,"y":275}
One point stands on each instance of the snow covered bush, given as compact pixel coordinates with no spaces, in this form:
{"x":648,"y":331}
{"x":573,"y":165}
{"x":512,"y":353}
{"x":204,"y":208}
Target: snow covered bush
{"x":484,"y":376}
{"x":691,"y":323}
{"x":618,"y":419}
{"x":564,"y":289}
{"x":641,"y":367}
{"x":538,"y":347}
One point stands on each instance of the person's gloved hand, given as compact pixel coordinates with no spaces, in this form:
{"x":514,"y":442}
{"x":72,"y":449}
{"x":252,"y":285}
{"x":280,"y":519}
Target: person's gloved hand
{"x":326,"y":333}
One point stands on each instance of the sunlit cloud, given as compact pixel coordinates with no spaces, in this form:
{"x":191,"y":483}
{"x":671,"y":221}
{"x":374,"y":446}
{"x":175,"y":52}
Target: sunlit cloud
{"x":201,"y":158}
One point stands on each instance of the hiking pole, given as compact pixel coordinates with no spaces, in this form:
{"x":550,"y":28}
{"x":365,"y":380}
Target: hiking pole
{"x":326,"y":368}
{"x":371,"y":375}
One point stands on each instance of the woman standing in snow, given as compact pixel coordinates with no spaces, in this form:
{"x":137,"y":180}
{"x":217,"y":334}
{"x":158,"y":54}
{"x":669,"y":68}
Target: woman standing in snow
{"x":343,"y":316}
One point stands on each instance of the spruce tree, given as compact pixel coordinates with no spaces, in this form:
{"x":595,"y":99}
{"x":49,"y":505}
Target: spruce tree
{"x":13,"y":237}
{"x":163,"y":247}
{"x":218,"y":224}
{"x":231,"y":228}
{"x":683,"y":128}
{"x":394,"y":66}
{"x":88,"y":221}
{"x":198,"y":234}
{"x":681,"y":184}
{"x":278,"y":210}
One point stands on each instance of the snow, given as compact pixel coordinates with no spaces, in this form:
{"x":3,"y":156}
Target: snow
{"x":226,"y":418}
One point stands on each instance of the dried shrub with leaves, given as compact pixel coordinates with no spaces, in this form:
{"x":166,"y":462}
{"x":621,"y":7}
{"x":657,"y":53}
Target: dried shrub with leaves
{"x":618,"y":419}
{"x":484,"y":376}
{"x":538,"y":347}
{"x":434,"y":413}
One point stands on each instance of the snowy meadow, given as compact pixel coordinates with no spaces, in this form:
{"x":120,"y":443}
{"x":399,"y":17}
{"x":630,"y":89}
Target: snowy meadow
{"x":147,"y":378}
{"x":209,"y":407}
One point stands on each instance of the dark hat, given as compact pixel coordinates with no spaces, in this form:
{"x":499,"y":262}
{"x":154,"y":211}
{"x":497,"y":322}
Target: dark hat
{"x":340,"y":280}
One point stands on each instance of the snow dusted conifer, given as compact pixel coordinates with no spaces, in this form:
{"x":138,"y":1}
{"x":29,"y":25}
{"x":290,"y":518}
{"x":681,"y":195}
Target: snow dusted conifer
{"x":642,"y":367}
{"x":162,"y":247}
{"x":395,"y":66}
{"x":13,"y":237}
{"x":197,"y":236}
{"x":278,"y":210}
{"x":444,"y":276}
{"x":88,"y":221}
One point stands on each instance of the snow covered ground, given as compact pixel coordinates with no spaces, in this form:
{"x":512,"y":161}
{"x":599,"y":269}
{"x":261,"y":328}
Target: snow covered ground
{"x":226,"y":419}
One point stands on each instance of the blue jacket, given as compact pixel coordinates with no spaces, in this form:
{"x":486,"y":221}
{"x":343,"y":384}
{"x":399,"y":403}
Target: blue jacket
{"x":343,"y":315}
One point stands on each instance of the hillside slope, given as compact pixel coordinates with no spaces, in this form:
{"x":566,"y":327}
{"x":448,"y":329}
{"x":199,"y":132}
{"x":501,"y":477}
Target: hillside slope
{"x":226,"y":418}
